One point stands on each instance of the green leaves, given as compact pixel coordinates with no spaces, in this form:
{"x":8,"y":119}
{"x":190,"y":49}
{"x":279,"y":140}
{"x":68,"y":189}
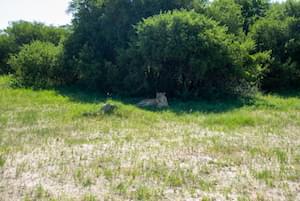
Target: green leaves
{"x":37,"y":64}
{"x":228,"y":13}
{"x":277,"y":32}
{"x":186,"y":48}
{"x":21,"y":33}
{"x":185,"y":53}
{"x":105,"y":28}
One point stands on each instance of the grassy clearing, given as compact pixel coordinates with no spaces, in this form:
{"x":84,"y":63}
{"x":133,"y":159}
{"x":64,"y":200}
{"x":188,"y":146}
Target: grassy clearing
{"x":54,"y":145}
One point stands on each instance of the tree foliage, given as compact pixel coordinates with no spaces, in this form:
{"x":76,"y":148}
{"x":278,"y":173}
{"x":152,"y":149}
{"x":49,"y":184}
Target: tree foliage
{"x":183,"y":47}
{"x":37,"y":65}
{"x":20,"y":33}
{"x":252,"y":10}
{"x":102,"y":28}
{"x":187,"y":54}
{"x":5,"y":48}
{"x":279,"y":33}
{"x":228,"y":13}
{"x":23,"y":32}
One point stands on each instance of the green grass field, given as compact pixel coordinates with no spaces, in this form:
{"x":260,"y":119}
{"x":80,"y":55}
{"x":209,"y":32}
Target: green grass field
{"x":55,"y":145}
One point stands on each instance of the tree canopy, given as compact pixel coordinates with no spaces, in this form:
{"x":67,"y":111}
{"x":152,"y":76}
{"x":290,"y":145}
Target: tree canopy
{"x":187,"y":48}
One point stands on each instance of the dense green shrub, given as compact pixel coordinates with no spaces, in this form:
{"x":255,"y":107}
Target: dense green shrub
{"x":187,"y":54}
{"x":102,"y":29}
{"x":293,"y":45}
{"x":38,"y":65}
{"x":20,"y":33}
{"x":183,"y":47}
{"x":228,"y":13}
{"x":279,"y":32}
{"x":5,"y":48}
{"x":23,"y":32}
{"x":252,"y":10}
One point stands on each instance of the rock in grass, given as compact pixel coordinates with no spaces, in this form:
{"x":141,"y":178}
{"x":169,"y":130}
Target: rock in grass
{"x":108,"y":108}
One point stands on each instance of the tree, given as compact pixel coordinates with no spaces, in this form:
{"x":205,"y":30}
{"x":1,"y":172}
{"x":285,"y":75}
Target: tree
{"x":252,"y":10}
{"x":103,"y":28}
{"x":228,"y":13}
{"x":187,"y":54}
{"x":293,"y":45}
{"x":279,"y":32}
{"x":6,"y":46}
{"x":38,"y":65}
{"x":21,"y":33}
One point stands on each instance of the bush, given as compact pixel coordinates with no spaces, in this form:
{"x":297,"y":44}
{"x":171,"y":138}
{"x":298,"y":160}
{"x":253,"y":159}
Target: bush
{"x":279,"y":33}
{"x":20,"y":33}
{"x":187,"y":54}
{"x":228,"y":13}
{"x":102,"y":29}
{"x":38,"y":65}
{"x":23,"y":32}
{"x":5,"y":48}
{"x":252,"y":10}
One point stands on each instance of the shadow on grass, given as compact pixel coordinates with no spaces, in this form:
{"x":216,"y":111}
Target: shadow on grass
{"x":176,"y":106}
{"x":204,"y":106}
{"x":80,"y":95}
{"x":287,"y":93}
